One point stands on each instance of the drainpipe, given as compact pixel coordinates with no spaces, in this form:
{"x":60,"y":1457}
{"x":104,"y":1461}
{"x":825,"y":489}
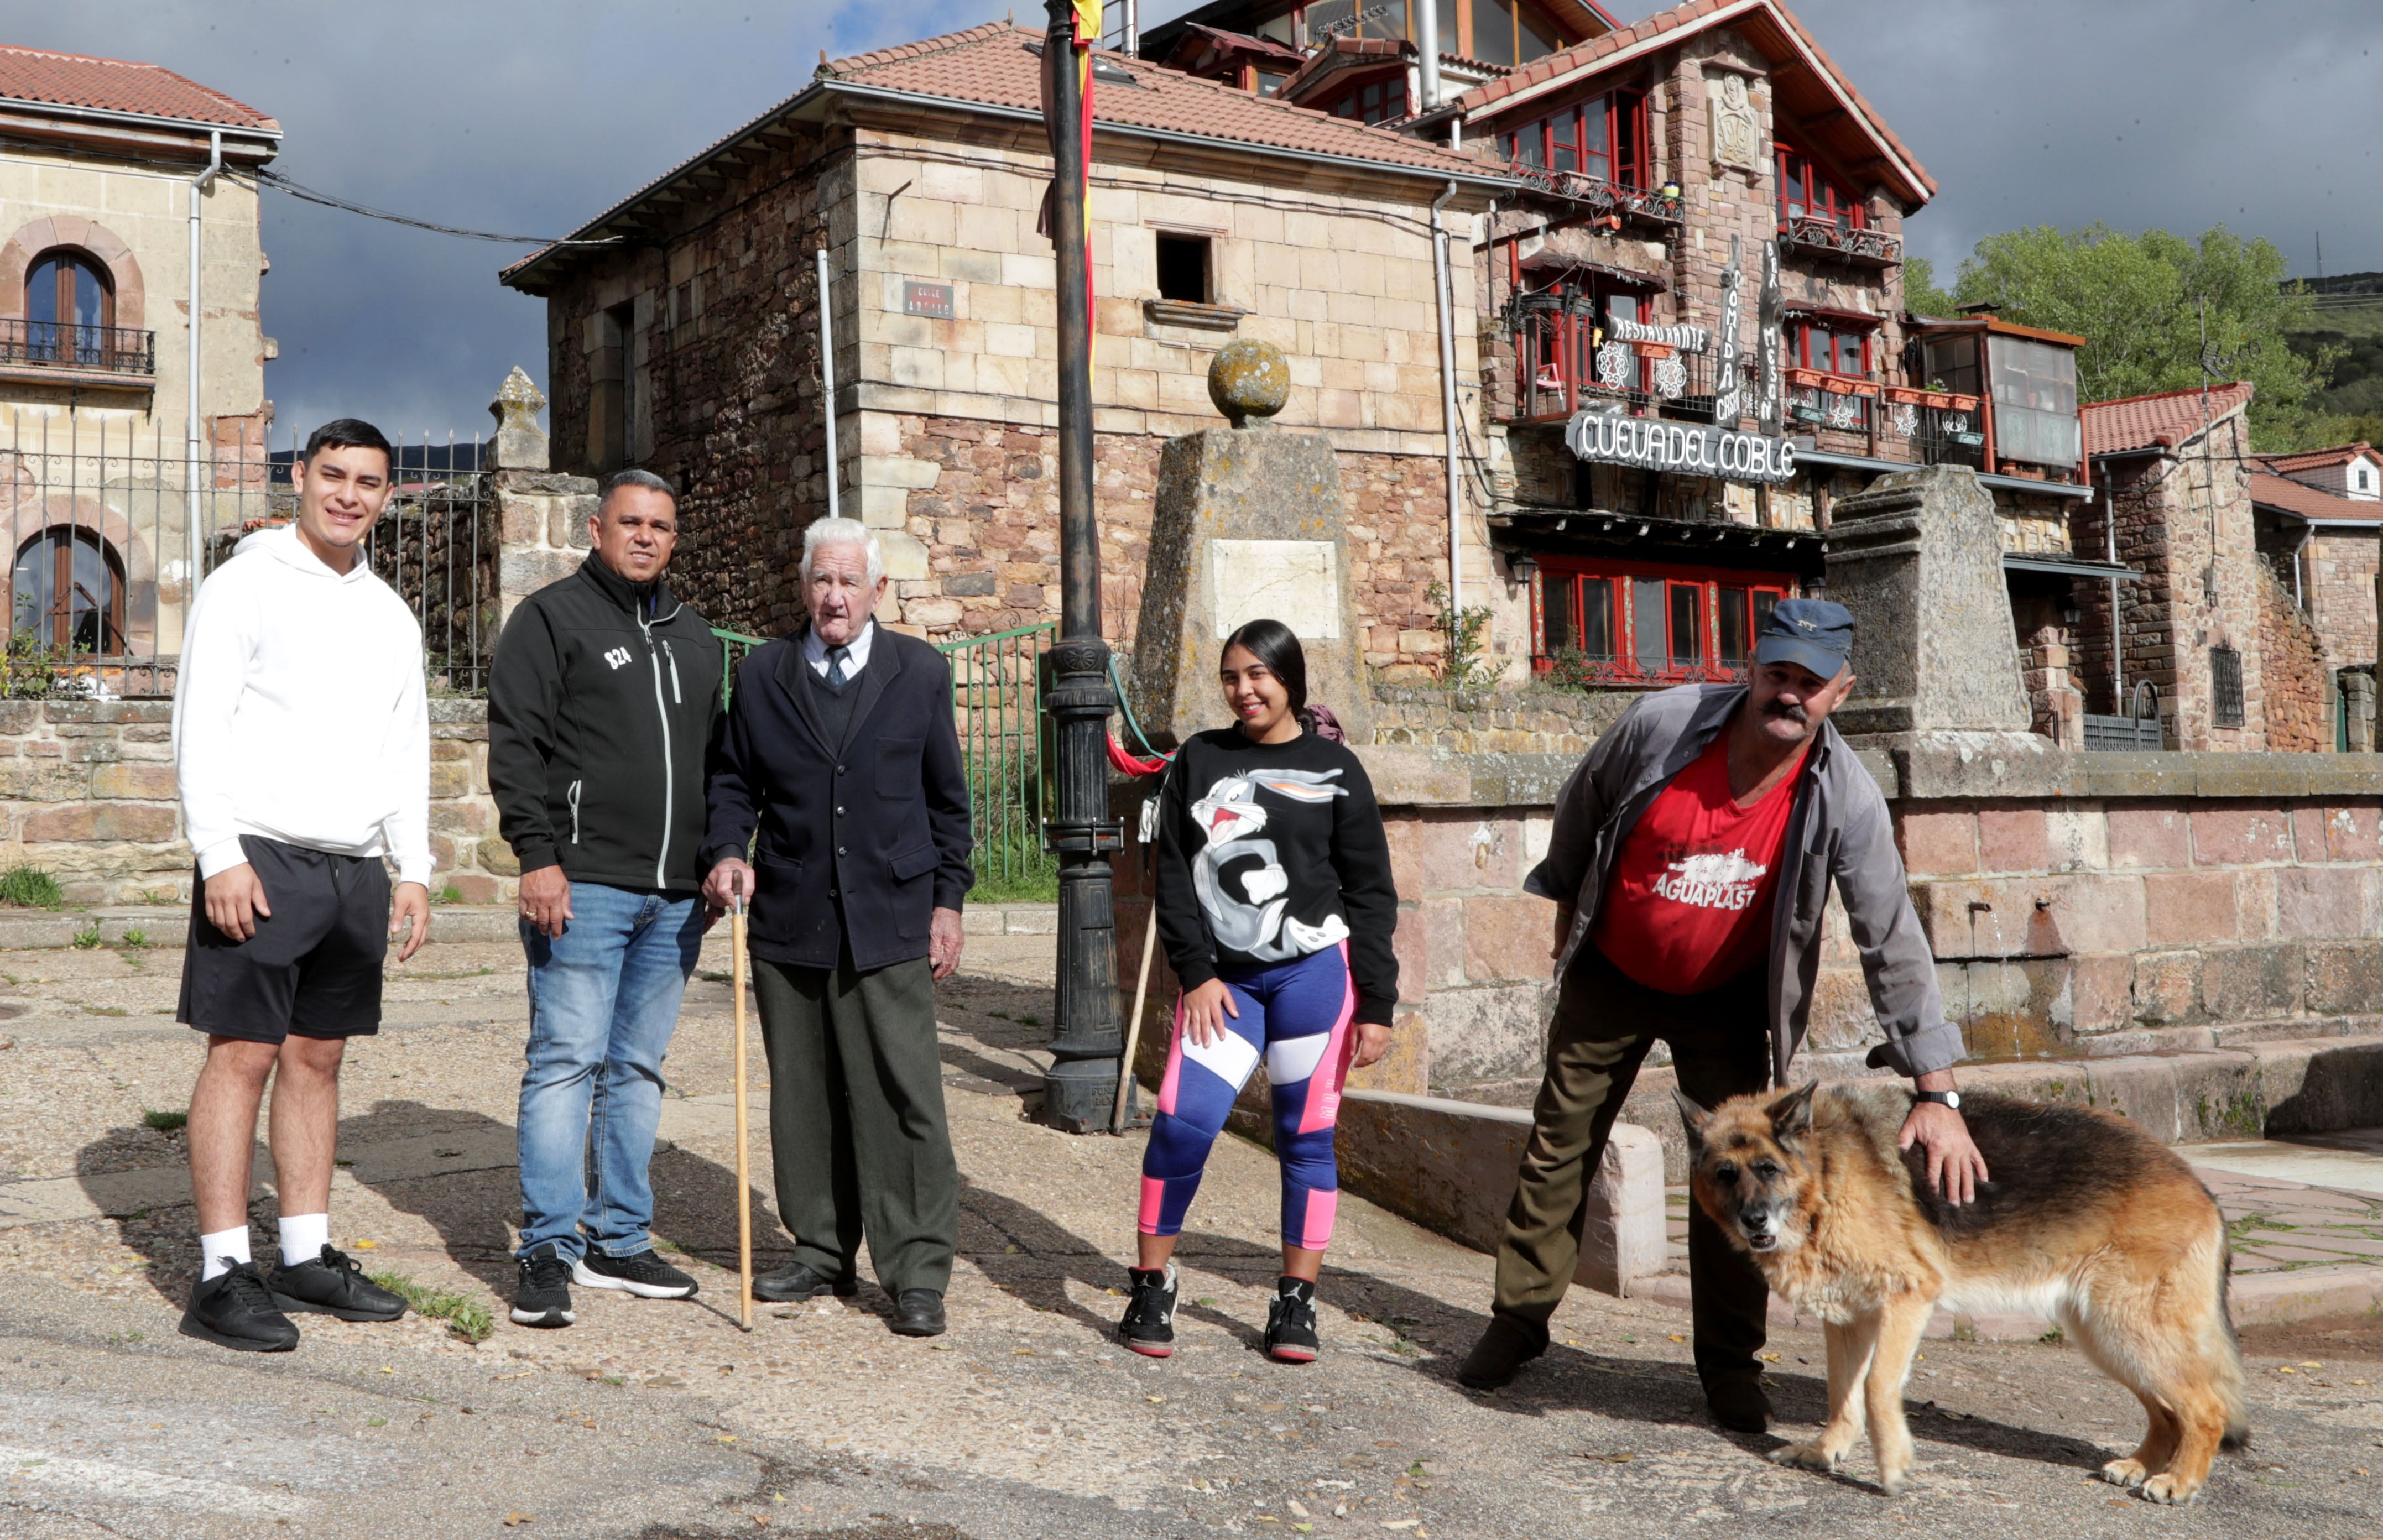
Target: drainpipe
{"x":1426,"y":17}
{"x":827,"y":377}
{"x":2117,"y":627}
{"x":192,"y":513}
{"x":1444,"y":286}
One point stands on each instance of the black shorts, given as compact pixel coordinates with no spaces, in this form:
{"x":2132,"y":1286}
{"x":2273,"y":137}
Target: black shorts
{"x":314,"y":965}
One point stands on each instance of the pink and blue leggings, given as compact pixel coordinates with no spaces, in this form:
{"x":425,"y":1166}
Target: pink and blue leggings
{"x":1296,"y":1017}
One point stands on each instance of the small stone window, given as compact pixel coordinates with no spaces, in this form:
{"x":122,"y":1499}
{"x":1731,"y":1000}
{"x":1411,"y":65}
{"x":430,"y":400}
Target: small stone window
{"x":2225,"y":685}
{"x":1183,"y":268}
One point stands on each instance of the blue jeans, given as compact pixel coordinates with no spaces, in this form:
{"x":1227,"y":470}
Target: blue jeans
{"x":603,"y":1002}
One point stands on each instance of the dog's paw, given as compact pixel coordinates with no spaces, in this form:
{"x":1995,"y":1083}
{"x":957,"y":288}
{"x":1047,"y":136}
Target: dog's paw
{"x":2168,"y":1487}
{"x":1892,"y":1482}
{"x":2124,"y":1472}
{"x":1805,"y":1456}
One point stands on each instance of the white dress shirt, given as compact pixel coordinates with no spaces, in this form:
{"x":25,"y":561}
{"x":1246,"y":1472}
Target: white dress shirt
{"x":855,"y":652}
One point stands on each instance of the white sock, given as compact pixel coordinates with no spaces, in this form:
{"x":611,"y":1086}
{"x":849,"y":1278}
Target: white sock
{"x":303,"y":1236}
{"x":219,"y":1251}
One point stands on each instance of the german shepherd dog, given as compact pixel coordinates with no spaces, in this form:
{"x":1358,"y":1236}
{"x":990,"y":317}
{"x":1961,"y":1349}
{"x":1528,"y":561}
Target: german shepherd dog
{"x":2088,"y":1220}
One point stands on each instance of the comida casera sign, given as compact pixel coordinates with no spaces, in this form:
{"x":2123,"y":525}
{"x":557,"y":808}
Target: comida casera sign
{"x":1688,"y":449}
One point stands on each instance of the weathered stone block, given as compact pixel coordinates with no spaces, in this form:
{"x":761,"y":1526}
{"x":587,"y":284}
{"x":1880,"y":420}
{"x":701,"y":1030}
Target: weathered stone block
{"x":2149,"y":836}
{"x":496,"y":856}
{"x":1506,"y":938}
{"x":2346,"y":979}
{"x":2253,"y":983}
{"x":1939,"y":844}
{"x":2167,"y":987}
{"x":88,"y":822}
{"x":145,"y":781}
{"x":2238,"y":837}
{"x":2012,"y":840}
{"x":2189,"y":908}
{"x":2325,"y":901}
{"x":450,"y":780}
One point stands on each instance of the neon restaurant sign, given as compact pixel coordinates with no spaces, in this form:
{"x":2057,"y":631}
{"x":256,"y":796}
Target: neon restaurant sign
{"x":1689,"y":448}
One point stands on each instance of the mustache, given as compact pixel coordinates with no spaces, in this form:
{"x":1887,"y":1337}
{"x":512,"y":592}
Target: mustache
{"x":1793,"y":713}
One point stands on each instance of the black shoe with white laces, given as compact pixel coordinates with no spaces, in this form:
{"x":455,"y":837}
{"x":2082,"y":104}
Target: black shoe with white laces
{"x":640,"y":1272}
{"x":1149,"y":1325}
{"x":543,"y":1296}
{"x":1290,"y":1323}
{"x":334,"y":1284}
{"x":235,"y":1310}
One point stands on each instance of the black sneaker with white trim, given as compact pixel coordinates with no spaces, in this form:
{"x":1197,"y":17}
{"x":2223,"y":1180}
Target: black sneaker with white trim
{"x":640,"y":1272}
{"x":543,"y":1296}
{"x":1290,"y":1323}
{"x":1149,"y":1325}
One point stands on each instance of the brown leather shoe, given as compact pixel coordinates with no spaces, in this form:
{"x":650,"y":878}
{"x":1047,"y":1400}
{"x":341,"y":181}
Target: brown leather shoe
{"x":1503,"y":1349}
{"x":1739,"y":1404}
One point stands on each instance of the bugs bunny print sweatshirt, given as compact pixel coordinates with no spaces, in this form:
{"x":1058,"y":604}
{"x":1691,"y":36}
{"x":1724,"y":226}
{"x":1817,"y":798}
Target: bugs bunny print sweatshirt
{"x":1269,"y":852}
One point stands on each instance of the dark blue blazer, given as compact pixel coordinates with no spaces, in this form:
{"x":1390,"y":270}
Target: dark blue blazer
{"x":861,"y":840}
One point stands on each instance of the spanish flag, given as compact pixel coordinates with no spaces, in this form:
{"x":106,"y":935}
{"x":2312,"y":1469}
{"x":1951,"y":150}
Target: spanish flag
{"x":1057,"y":76}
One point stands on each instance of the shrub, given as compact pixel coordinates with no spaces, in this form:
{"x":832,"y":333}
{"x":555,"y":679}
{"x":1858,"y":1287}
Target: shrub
{"x":27,"y":887}
{"x":166,"y":1122}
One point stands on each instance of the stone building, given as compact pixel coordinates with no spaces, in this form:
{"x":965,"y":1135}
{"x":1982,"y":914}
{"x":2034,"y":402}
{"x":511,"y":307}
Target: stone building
{"x":2320,"y":513}
{"x":1217,"y":213}
{"x":102,"y":164}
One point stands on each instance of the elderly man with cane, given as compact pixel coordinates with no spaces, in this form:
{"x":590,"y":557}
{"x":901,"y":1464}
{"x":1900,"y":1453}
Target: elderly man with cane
{"x":840,"y":747}
{"x":603,"y":702}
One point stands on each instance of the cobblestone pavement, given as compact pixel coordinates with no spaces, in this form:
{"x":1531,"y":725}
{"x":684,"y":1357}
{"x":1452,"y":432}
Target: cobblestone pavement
{"x":663,"y":1421}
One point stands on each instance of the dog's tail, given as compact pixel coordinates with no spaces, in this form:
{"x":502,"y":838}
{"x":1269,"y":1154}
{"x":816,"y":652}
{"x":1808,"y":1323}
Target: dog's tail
{"x":2227,"y":1351}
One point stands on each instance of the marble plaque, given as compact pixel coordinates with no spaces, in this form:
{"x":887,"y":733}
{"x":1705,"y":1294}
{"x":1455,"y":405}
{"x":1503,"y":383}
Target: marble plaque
{"x":1296,"y":581}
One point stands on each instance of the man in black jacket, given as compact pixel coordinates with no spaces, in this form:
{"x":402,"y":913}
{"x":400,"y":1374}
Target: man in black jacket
{"x":840,"y":744}
{"x":603,"y":705}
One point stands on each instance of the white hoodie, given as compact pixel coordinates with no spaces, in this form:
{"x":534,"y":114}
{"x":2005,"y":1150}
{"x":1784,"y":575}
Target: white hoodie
{"x":300,"y":712}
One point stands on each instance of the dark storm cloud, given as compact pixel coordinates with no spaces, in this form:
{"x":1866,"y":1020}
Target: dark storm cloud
{"x":528,"y":117}
{"x":533,"y":117}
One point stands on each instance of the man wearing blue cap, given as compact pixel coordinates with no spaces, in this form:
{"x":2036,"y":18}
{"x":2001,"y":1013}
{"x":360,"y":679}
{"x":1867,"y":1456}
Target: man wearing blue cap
{"x":1690,"y":861}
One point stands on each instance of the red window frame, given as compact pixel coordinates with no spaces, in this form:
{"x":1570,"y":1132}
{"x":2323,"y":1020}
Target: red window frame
{"x":1555,"y":352}
{"x":1375,"y":101}
{"x":1705,"y":591}
{"x":1807,"y":188}
{"x":1835,"y":350}
{"x":1604,"y":137}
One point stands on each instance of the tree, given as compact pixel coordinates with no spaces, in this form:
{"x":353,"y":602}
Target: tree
{"x":2141,"y":302}
{"x":1920,"y":295}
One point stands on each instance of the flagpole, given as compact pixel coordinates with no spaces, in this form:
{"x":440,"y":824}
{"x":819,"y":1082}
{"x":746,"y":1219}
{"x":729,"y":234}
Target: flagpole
{"x":1080,"y":1089}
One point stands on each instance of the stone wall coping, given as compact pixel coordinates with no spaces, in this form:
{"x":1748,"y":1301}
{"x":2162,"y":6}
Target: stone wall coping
{"x":1442,"y":1105}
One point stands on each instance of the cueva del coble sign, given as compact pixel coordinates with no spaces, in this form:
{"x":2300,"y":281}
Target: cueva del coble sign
{"x":1689,"y":448}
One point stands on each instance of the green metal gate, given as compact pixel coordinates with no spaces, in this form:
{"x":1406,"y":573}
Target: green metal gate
{"x":997,"y":708}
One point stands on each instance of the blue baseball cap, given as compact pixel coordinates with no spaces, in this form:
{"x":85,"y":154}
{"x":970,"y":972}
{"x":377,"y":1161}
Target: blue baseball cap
{"x":1815,"y":633}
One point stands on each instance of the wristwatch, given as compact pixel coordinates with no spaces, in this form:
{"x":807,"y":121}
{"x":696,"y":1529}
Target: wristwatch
{"x":1942,"y":1098}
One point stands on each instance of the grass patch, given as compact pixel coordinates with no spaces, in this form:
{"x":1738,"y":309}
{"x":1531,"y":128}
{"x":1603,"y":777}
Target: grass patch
{"x":27,"y":887}
{"x":166,"y":1122}
{"x":1039,"y":884}
{"x":136,"y":939}
{"x":2056,"y":1337}
{"x":466,"y":1316}
{"x":451,"y":894}
{"x":88,"y":938}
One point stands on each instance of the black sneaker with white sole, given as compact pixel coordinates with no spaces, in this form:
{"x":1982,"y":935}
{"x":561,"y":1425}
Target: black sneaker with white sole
{"x":543,"y":1296}
{"x":334,"y":1284}
{"x":640,"y":1272}
{"x":1290,"y":1323}
{"x":1149,"y":1325}
{"x":235,"y":1310}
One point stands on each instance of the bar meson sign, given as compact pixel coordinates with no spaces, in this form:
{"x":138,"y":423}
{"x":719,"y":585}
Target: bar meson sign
{"x":1690,"y":449}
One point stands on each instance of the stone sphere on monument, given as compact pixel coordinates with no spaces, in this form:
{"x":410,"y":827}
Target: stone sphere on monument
{"x":1248,"y":381}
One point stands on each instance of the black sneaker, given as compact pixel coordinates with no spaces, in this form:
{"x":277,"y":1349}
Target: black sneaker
{"x":334,"y":1284}
{"x":1149,"y":1325}
{"x":235,"y":1310}
{"x":640,"y":1272}
{"x":543,"y":1296}
{"x":1290,"y":1323}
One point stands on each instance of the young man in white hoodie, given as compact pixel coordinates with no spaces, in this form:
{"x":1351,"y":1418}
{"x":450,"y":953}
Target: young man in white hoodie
{"x":302,"y":742}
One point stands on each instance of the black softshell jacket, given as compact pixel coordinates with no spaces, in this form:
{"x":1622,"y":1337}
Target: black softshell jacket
{"x":603,"y":714}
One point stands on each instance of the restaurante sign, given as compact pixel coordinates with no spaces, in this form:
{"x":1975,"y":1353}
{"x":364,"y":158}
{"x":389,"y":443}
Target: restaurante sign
{"x":1690,"y":449}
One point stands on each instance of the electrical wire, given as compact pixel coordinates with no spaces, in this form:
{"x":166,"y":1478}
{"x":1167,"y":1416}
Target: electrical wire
{"x":280,"y":183}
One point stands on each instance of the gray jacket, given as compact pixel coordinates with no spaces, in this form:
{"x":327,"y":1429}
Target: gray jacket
{"x":1839,"y":828}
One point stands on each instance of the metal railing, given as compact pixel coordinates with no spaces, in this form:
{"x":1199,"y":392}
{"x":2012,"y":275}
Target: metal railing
{"x":997,"y":696}
{"x":1599,"y":197}
{"x":64,"y":345}
{"x":1931,"y":430}
{"x":1842,"y":238}
{"x":1819,"y":401}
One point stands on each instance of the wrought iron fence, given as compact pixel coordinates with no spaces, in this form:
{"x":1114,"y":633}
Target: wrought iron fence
{"x":997,"y":711}
{"x":1842,"y":238}
{"x":64,"y":345}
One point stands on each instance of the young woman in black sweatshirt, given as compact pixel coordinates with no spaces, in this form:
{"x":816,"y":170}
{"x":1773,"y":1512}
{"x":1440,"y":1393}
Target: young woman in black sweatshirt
{"x":1275,"y":907}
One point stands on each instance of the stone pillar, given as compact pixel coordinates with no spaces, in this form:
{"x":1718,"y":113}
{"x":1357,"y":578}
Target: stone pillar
{"x":1622,"y":1238}
{"x":2357,"y":685}
{"x":1917,"y":559}
{"x":1247,"y":525}
{"x":542,"y":515}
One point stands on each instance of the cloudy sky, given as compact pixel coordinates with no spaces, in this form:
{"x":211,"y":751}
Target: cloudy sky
{"x":532,"y":116}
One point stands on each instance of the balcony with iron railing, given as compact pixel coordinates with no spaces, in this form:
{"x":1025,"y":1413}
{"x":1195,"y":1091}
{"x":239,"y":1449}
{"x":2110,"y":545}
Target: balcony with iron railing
{"x":1603,"y":199}
{"x":47,"y":350}
{"x":1842,"y":238}
{"x":1931,"y":428}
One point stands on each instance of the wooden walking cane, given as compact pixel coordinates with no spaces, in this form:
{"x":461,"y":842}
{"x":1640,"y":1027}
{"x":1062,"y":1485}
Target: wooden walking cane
{"x":743,"y":1164}
{"x":1141,"y":984}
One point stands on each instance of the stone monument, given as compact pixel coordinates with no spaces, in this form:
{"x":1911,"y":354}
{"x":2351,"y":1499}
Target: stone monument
{"x":1247,"y":527}
{"x":1917,"y":559}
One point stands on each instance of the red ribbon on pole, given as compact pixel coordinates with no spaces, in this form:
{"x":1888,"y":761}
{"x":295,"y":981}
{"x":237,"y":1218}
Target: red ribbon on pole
{"x":1087,"y":34}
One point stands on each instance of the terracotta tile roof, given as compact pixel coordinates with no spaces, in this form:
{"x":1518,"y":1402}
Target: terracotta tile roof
{"x":116,"y":85}
{"x":2310,"y":502}
{"x":2161,"y":420}
{"x":990,"y":65}
{"x":2314,"y":459}
{"x":1244,"y":43}
{"x":1676,"y":25}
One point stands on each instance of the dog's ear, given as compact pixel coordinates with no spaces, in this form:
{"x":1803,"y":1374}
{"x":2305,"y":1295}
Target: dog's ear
{"x":1791,"y":1115}
{"x":1692,"y":1116}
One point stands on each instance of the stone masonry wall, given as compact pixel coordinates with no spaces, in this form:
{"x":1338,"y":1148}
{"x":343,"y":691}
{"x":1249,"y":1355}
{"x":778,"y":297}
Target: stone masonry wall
{"x":2341,"y":589}
{"x":2293,"y":672}
{"x":87,"y":793}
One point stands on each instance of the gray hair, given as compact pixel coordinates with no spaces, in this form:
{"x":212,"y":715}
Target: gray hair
{"x":843,"y":532}
{"x":619,"y":479}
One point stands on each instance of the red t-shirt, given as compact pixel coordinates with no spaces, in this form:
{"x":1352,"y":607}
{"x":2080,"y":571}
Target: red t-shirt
{"x":1689,"y":904}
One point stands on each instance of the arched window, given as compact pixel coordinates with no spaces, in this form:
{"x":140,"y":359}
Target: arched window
{"x":67,"y":591}
{"x":69,"y":309}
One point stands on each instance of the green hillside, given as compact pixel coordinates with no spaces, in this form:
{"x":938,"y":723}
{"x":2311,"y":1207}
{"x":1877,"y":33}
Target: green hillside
{"x":2349,"y":320}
